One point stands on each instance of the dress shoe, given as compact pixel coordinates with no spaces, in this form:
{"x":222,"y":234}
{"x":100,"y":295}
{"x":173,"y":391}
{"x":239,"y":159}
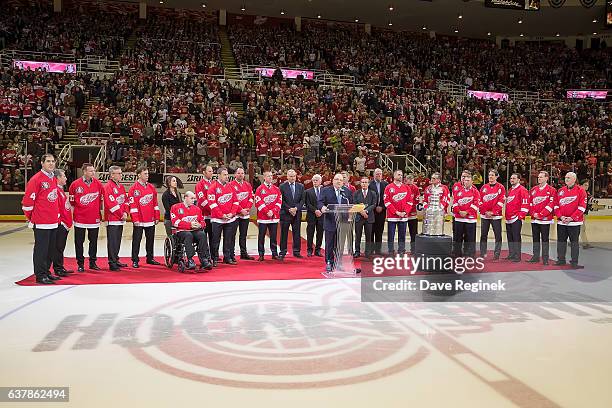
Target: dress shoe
{"x":94,"y":267}
{"x":261,"y":258}
{"x":276,"y":257}
{"x":281,"y":257}
{"x":121,"y":265}
{"x":496,"y":257}
{"x":508,"y":258}
{"x":215,"y":263}
{"x":247,"y":257}
{"x":329,"y":268}
{"x":114,"y":268}
{"x":81,"y":268}
{"x":516,"y":260}
{"x":230,"y":262}
{"x":534,"y":259}
{"x":191,"y":265}
{"x":61,"y":274}
{"x":574,"y":265}
{"x":152,"y":262}
{"x":66,"y":271}
{"x":545,"y":261}
{"x":318,"y":253}
{"x":356,"y":255}
{"x":54,"y":278}
{"x":298,"y":256}
{"x":205,"y":265}
{"x":309,"y":254}
{"x":45,"y":281}
{"x":560,"y":263}
{"x":135,"y":265}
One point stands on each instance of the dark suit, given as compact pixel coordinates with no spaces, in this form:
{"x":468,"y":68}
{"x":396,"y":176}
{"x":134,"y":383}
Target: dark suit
{"x":370,"y":200}
{"x":379,"y":218}
{"x":313,"y":222}
{"x":328,"y":197}
{"x":291,"y":200}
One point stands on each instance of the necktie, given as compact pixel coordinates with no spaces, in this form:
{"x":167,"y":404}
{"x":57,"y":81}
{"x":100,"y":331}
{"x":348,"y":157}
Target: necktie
{"x":317,"y":192}
{"x":292,"y":190}
{"x":338,"y":196}
{"x":365,"y":193}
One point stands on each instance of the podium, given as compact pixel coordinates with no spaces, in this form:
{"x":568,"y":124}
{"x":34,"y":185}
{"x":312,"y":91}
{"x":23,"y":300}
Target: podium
{"x":344,"y":266}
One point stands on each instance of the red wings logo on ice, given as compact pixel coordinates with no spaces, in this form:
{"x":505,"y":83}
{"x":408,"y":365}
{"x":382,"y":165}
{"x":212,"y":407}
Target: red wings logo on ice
{"x":52,"y":196}
{"x":270,"y":199}
{"x":224,"y":198}
{"x":567,"y":200}
{"x":465,"y":200}
{"x":297,"y":338}
{"x":539,"y":199}
{"x":489,"y":197}
{"x":88,"y":198}
{"x":399,"y":196}
{"x":242,"y":195}
{"x":145,"y":200}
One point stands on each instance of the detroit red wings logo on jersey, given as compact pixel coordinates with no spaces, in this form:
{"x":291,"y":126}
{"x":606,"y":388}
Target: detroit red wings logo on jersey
{"x":224,"y":198}
{"x":399,"y":196}
{"x":538,"y":200}
{"x":88,"y":198}
{"x":567,"y":200}
{"x":242,"y":195}
{"x":145,"y":200}
{"x":509,"y":199}
{"x":270,"y":199}
{"x":465,"y":200}
{"x":489,"y":197}
{"x":120,"y":199}
{"x":190,"y":218}
{"x":52,"y":196}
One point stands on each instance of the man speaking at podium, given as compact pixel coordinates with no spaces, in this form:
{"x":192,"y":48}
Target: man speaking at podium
{"x":328,"y":199}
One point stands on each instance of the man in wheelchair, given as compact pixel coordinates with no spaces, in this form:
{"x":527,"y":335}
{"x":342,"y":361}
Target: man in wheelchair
{"x":188,"y":221}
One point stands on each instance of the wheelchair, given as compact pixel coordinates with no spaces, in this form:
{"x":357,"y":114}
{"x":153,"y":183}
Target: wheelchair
{"x":174,"y":252}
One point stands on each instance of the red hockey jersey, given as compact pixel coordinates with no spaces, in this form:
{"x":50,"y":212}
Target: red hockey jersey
{"x":398,"y":198}
{"x":40,"y":202}
{"x":542,"y":204}
{"x":492,"y":198}
{"x":201,"y":192}
{"x":517,"y":204}
{"x":444,"y":199}
{"x":465,"y":200}
{"x":65,"y":209}
{"x":142,"y":200}
{"x":182,"y":216}
{"x":571,"y":202}
{"x":115,"y":203}
{"x":412,"y":215}
{"x":86,"y":199}
{"x":268,"y":198}
{"x":222,"y":200}
{"x":244,"y":194}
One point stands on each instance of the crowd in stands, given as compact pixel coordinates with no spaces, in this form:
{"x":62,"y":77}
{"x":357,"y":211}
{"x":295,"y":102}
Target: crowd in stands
{"x":158,"y":111}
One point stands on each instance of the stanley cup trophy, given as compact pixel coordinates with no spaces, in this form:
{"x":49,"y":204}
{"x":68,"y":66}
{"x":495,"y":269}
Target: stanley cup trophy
{"x":432,"y":244}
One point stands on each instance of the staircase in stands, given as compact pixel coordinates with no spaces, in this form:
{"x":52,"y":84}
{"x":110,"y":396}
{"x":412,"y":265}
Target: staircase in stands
{"x":71,"y":135}
{"x":230,"y":65}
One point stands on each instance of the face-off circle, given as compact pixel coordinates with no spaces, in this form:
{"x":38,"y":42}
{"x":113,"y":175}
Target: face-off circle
{"x":302,"y":337}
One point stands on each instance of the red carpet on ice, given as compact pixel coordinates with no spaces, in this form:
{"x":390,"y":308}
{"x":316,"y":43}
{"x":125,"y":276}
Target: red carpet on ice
{"x":290,"y":268}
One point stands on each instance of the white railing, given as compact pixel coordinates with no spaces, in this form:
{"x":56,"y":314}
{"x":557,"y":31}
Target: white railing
{"x":96,"y":63}
{"x":452,"y":88}
{"x":385,"y":162}
{"x":405,"y":162}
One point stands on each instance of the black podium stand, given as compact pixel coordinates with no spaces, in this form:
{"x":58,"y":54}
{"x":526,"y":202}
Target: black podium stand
{"x":435,"y":248}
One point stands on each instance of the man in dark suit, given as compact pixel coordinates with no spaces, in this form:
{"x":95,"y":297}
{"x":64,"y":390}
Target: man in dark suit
{"x":331,"y":196}
{"x":365,"y":218}
{"x":380,"y":212}
{"x":314,"y":217}
{"x":291,"y":214}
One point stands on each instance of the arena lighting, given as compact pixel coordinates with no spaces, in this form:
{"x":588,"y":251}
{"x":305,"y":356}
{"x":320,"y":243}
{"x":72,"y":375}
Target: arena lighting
{"x":594,"y":33}
{"x":242,"y":8}
{"x":488,"y":33}
{"x":557,"y":35}
{"x":594,"y":20}
{"x":161,"y":1}
{"x":521,"y":35}
{"x":203,"y":5}
{"x":390,"y":23}
{"x":282,"y":12}
{"x":391,"y":7}
{"x":356,"y":20}
{"x":460,"y":16}
{"x":424,"y":28}
{"x":456,"y":31}
{"x":520,"y":21}
{"x":318,"y":16}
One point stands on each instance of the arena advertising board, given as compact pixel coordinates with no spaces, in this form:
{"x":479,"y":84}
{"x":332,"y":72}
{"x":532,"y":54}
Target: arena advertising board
{"x":531,"y":5}
{"x":287,"y":73}
{"x":496,"y":96}
{"x":583,"y":94}
{"x":187,"y":179}
{"x":47,"y":66}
